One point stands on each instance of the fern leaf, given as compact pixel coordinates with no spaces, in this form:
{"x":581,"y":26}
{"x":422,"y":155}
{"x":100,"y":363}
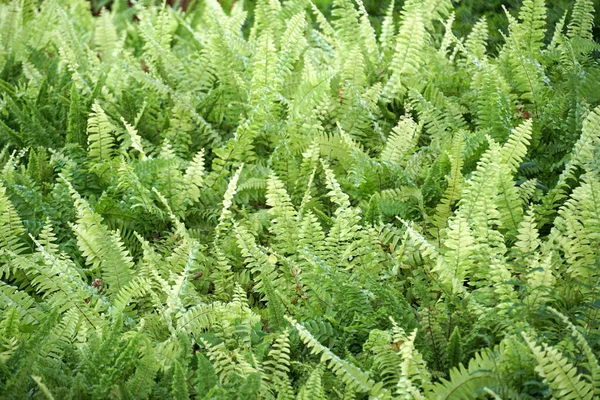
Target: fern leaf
{"x":103,"y":249}
{"x":533,"y":15}
{"x":467,"y":382}
{"x":515,"y":149}
{"x":100,"y":135}
{"x":12,"y":297}
{"x":403,"y":138}
{"x":558,"y":373}
{"x":528,"y":237}
{"x":591,"y":358}
{"x":179,"y":386}
{"x":194,"y":176}
{"x":408,"y":55}
{"x":349,"y":373}
{"x":284,"y":222}
{"x":455,"y":182}
{"x":582,"y":20}
{"x":11,"y":227}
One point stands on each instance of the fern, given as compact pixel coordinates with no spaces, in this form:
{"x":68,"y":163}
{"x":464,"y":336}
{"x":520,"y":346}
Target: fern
{"x":560,"y":375}
{"x":350,"y":374}
{"x":180,"y":185}
{"x":100,"y":135}
{"x":581,"y":19}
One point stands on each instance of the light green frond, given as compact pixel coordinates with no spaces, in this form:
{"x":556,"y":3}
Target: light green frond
{"x":582,"y":20}
{"x":194,"y":176}
{"x":284,"y":222}
{"x":388,"y":30}
{"x":103,"y":249}
{"x":528,"y":238}
{"x":540,"y":281}
{"x":43,"y":388}
{"x":455,"y":182}
{"x":136,"y":288}
{"x":47,"y":238}
{"x":313,"y":388}
{"x":100,"y":135}
{"x":408,"y":55}
{"x":527,"y":190}
{"x":515,"y":149}
{"x":593,"y":366}
{"x":466,"y":382}
{"x":11,"y":227}
{"x":227,"y":203}
{"x":401,"y":141}
{"x":501,"y":279}
{"x":386,"y":361}
{"x":476,"y":42}
{"x":367,"y":33}
{"x":558,"y":372}
{"x":335,"y":191}
{"x":578,"y":222}
{"x":200,"y":318}
{"x":533,"y":15}
{"x":457,"y":259}
{"x":348,"y":373}
{"x":264,"y":73}
{"x":277,"y":367}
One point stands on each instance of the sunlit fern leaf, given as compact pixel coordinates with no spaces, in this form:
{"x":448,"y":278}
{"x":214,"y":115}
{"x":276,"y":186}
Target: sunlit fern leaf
{"x":100,"y":135}
{"x":404,"y":136}
{"x":348,"y":372}
{"x":103,"y":249}
{"x":11,"y":227}
{"x":582,"y":20}
{"x":284,"y":222}
{"x":592,"y":364}
{"x":558,"y":373}
{"x":408,"y":54}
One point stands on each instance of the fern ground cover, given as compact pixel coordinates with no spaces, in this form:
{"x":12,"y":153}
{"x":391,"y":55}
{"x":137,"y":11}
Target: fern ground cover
{"x":297,"y":203}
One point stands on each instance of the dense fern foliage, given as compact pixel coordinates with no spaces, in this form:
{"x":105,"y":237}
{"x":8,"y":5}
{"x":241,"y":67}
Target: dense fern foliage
{"x":296,"y":206}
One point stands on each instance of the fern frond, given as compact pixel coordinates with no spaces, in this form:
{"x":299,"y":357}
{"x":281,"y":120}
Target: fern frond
{"x":11,"y":227}
{"x":476,"y":42}
{"x":457,"y":260}
{"x":100,"y":135}
{"x":408,"y":55}
{"x":194,"y":176}
{"x":350,"y":374}
{"x":179,"y":387}
{"x":468,"y":382}
{"x":558,"y":373}
{"x":455,"y":182}
{"x":103,"y":249}
{"x":313,"y":388}
{"x":387,"y":33}
{"x":226,"y":214}
{"x":528,"y":238}
{"x":401,"y":141}
{"x":137,"y":287}
{"x":284,"y":222}
{"x":533,"y":15}
{"x":592,"y":359}
{"x":515,"y":149}
{"x":25,"y":305}
{"x":582,"y":20}
{"x":277,"y":367}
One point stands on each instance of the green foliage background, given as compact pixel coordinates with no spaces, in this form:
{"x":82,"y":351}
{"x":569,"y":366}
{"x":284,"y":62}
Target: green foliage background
{"x":304,"y":201}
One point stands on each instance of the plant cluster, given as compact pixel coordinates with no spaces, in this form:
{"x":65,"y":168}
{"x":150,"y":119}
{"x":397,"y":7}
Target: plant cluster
{"x":192,"y":206}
